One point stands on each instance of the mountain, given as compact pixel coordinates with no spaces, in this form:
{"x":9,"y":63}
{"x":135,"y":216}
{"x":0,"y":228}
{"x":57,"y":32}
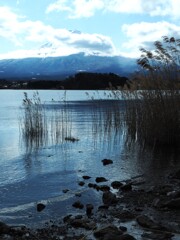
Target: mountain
{"x":61,"y":67}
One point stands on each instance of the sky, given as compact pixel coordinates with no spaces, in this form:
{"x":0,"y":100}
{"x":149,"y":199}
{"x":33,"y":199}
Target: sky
{"x":41,"y":28}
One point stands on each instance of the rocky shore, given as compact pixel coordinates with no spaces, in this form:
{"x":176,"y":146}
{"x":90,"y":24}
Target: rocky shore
{"x":130,"y":209}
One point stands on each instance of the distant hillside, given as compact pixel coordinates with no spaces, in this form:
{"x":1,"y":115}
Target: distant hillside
{"x":61,"y":67}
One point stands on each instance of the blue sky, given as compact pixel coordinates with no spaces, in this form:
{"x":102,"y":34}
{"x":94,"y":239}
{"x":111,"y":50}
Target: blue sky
{"x":40,"y":28}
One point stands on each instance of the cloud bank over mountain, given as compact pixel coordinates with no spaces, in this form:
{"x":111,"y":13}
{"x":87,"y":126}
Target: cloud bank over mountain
{"x":100,"y":27}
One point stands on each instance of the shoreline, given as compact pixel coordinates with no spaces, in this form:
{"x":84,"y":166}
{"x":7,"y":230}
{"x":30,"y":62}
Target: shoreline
{"x":130,"y":209}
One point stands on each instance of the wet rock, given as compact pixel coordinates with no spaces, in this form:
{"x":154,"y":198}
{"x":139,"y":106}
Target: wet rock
{"x":116,"y":184}
{"x":159,"y":236}
{"x":104,"y":188}
{"x":126,"y":237}
{"x":65,"y":190}
{"x":81,"y":183}
{"x":109,"y":198}
{"x":112,"y":236}
{"x":122,"y":228}
{"x":126,"y":187}
{"x":90,"y":185}
{"x":164,"y":189}
{"x":86,"y":177}
{"x":106,"y":161}
{"x":176,"y":175}
{"x":108,"y":232}
{"x":79,"y":216}
{"x":101,"y":179}
{"x":83,"y":223}
{"x":96,"y":187}
{"x":174,"y":203}
{"x":71,"y":139}
{"x":89,"y":208}
{"x":174,"y":194}
{"x":157,"y":203}
{"x":146,"y":222}
{"x":40,"y":207}
{"x":123,"y":215}
{"x":67,"y":218}
{"x":4,"y":229}
{"x":103,"y":207}
{"x":78,"y":194}
{"x":78,"y":204}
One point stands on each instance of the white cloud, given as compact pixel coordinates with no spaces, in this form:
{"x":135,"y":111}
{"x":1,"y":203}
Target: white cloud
{"x":87,"y":8}
{"x":22,"y":32}
{"x":122,"y":6}
{"x":144,"y":34}
{"x":76,"y":8}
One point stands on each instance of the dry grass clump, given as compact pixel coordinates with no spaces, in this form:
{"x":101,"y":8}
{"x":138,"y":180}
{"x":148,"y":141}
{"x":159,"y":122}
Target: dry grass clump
{"x":41,"y":124}
{"x":34,"y":121}
{"x":153,"y":118}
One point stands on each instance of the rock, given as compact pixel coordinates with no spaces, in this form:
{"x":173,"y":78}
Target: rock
{"x":86,"y":177}
{"x":71,"y":139}
{"x":109,"y":198}
{"x":81,"y":183}
{"x":40,"y":207}
{"x":101,"y":179}
{"x":126,"y":237}
{"x":159,"y":236}
{"x":78,"y":204}
{"x":174,"y":203}
{"x":65,"y":190}
{"x":83,"y":223}
{"x":116,"y":184}
{"x":4,"y":229}
{"x":79,"y":216}
{"x":104,"y":188}
{"x":122,"y":228}
{"x":67,"y":218}
{"x":78,"y":194}
{"x":89,"y":208}
{"x":174,"y":194}
{"x":112,"y":236}
{"x":123,"y":215}
{"x":145,"y":221}
{"x":96,"y":187}
{"x":103,"y":207}
{"x":106,"y":231}
{"x":106,"y":161}
{"x":164,"y":189}
{"x":176,"y":175}
{"x":126,"y":187}
{"x":90,"y":185}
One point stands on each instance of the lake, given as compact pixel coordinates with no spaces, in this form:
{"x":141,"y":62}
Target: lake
{"x":38,"y":171}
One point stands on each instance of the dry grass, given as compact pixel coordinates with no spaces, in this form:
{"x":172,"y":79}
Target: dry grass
{"x":154,"y":117}
{"x":34,"y":122}
{"x":39,"y":124}
{"x":152,"y":114}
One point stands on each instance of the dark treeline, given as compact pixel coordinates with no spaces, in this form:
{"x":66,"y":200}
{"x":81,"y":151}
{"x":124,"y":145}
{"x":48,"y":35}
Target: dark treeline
{"x":80,"y":81}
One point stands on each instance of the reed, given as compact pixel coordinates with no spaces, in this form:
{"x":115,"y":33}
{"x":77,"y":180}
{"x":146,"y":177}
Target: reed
{"x":152,"y":115}
{"x":43,"y":123}
{"x":34,"y":121}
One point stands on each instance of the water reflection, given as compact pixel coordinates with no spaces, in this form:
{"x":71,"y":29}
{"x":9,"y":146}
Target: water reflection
{"x":99,"y":126}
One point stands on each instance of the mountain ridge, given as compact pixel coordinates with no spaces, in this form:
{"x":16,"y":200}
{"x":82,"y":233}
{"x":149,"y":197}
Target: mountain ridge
{"x":64,"y":66}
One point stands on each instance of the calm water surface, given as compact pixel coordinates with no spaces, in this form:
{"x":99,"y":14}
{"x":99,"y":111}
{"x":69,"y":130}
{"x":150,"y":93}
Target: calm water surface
{"x":31,"y":174}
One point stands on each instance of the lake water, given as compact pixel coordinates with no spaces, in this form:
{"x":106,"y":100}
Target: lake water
{"x":32,"y":173}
